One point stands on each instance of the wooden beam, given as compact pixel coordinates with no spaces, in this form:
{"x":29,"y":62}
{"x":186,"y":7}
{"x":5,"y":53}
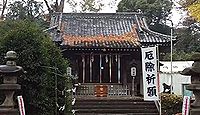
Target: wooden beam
{"x":100,"y":64}
{"x":91,"y":60}
{"x":110,"y":67}
{"x":83,"y":61}
{"x":118,"y":68}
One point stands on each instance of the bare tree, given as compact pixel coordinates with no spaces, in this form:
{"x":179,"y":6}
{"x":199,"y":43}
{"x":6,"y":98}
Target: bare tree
{"x":3,"y":8}
{"x":83,"y":6}
{"x":91,"y":5}
{"x":56,"y":7}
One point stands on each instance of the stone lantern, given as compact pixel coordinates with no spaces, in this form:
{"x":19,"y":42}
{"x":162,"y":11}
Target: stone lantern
{"x":9,"y":72}
{"x":194,"y":72}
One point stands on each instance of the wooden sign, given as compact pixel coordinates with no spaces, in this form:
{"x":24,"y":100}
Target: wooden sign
{"x":101,"y":90}
{"x":69,"y":71}
{"x":133,"y":71}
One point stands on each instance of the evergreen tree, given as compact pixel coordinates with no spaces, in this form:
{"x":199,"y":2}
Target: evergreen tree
{"x":37,"y":54}
{"x":156,"y":12}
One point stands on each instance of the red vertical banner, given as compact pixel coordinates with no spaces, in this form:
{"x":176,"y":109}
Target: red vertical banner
{"x":186,"y":105}
{"x":21,"y":105}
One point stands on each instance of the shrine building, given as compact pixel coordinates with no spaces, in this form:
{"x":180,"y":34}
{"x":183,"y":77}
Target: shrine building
{"x":104,"y":50}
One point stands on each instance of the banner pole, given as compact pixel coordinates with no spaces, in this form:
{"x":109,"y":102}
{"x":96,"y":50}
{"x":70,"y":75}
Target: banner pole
{"x":158,"y":81}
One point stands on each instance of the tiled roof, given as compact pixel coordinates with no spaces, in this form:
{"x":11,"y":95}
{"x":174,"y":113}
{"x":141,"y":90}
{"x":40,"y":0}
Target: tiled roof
{"x":100,"y":30}
{"x":127,"y":40}
{"x":106,"y":30}
{"x":94,"y":24}
{"x":153,"y":37}
{"x":149,"y":36}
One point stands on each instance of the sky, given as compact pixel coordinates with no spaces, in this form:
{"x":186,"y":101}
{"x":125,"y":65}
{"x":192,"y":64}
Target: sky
{"x":110,"y":7}
{"x":177,"y":13}
{"x":105,"y":9}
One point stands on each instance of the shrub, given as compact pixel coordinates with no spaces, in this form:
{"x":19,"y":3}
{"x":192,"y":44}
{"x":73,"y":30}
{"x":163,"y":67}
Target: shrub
{"x":171,"y":104}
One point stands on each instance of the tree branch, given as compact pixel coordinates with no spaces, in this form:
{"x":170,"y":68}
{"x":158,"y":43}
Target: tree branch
{"x":56,"y":6}
{"x":48,"y":7}
{"x":61,"y":5}
{"x":4,"y":7}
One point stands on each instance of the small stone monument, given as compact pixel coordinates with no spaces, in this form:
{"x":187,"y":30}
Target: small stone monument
{"x":194,"y":72}
{"x":9,"y":72}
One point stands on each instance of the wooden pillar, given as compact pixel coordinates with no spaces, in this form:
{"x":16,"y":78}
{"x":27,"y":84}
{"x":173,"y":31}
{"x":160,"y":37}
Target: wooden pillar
{"x":100,"y":71}
{"x":110,"y":67}
{"x":118,"y":68}
{"x":133,"y":85}
{"x":83,"y":61}
{"x":91,"y":60}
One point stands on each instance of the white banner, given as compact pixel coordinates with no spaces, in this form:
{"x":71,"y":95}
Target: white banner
{"x":149,"y":68}
{"x":21,"y":105}
{"x":186,"y":105}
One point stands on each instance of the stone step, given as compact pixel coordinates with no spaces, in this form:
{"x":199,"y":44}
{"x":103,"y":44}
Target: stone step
{"x":117,"y":114}
{"x":114,"y":102}
{"x":102,"y":106}
{"x":111,"y":106}
{"x":116,"y":111}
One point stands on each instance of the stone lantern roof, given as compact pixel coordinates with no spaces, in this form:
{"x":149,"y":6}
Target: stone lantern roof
{"x":195,"y":69}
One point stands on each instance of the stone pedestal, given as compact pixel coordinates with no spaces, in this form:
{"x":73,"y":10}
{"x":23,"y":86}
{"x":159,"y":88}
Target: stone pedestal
{"x":8,"y":111}
{"x":9,"y":72}
{"x":195,"y":106}
{"x":194,"y":72}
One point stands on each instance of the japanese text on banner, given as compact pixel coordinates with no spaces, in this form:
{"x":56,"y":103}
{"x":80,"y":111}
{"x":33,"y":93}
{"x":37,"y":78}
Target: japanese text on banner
{"x":149,"y":68}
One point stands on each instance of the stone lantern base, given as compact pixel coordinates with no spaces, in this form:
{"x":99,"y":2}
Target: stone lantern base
{"x":195,"y":106}
{"x":9,"y":111}
{"x":195,"y":111}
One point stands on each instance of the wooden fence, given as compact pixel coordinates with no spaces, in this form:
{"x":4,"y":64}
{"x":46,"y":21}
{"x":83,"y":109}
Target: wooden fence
{"x":112,"y":89}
